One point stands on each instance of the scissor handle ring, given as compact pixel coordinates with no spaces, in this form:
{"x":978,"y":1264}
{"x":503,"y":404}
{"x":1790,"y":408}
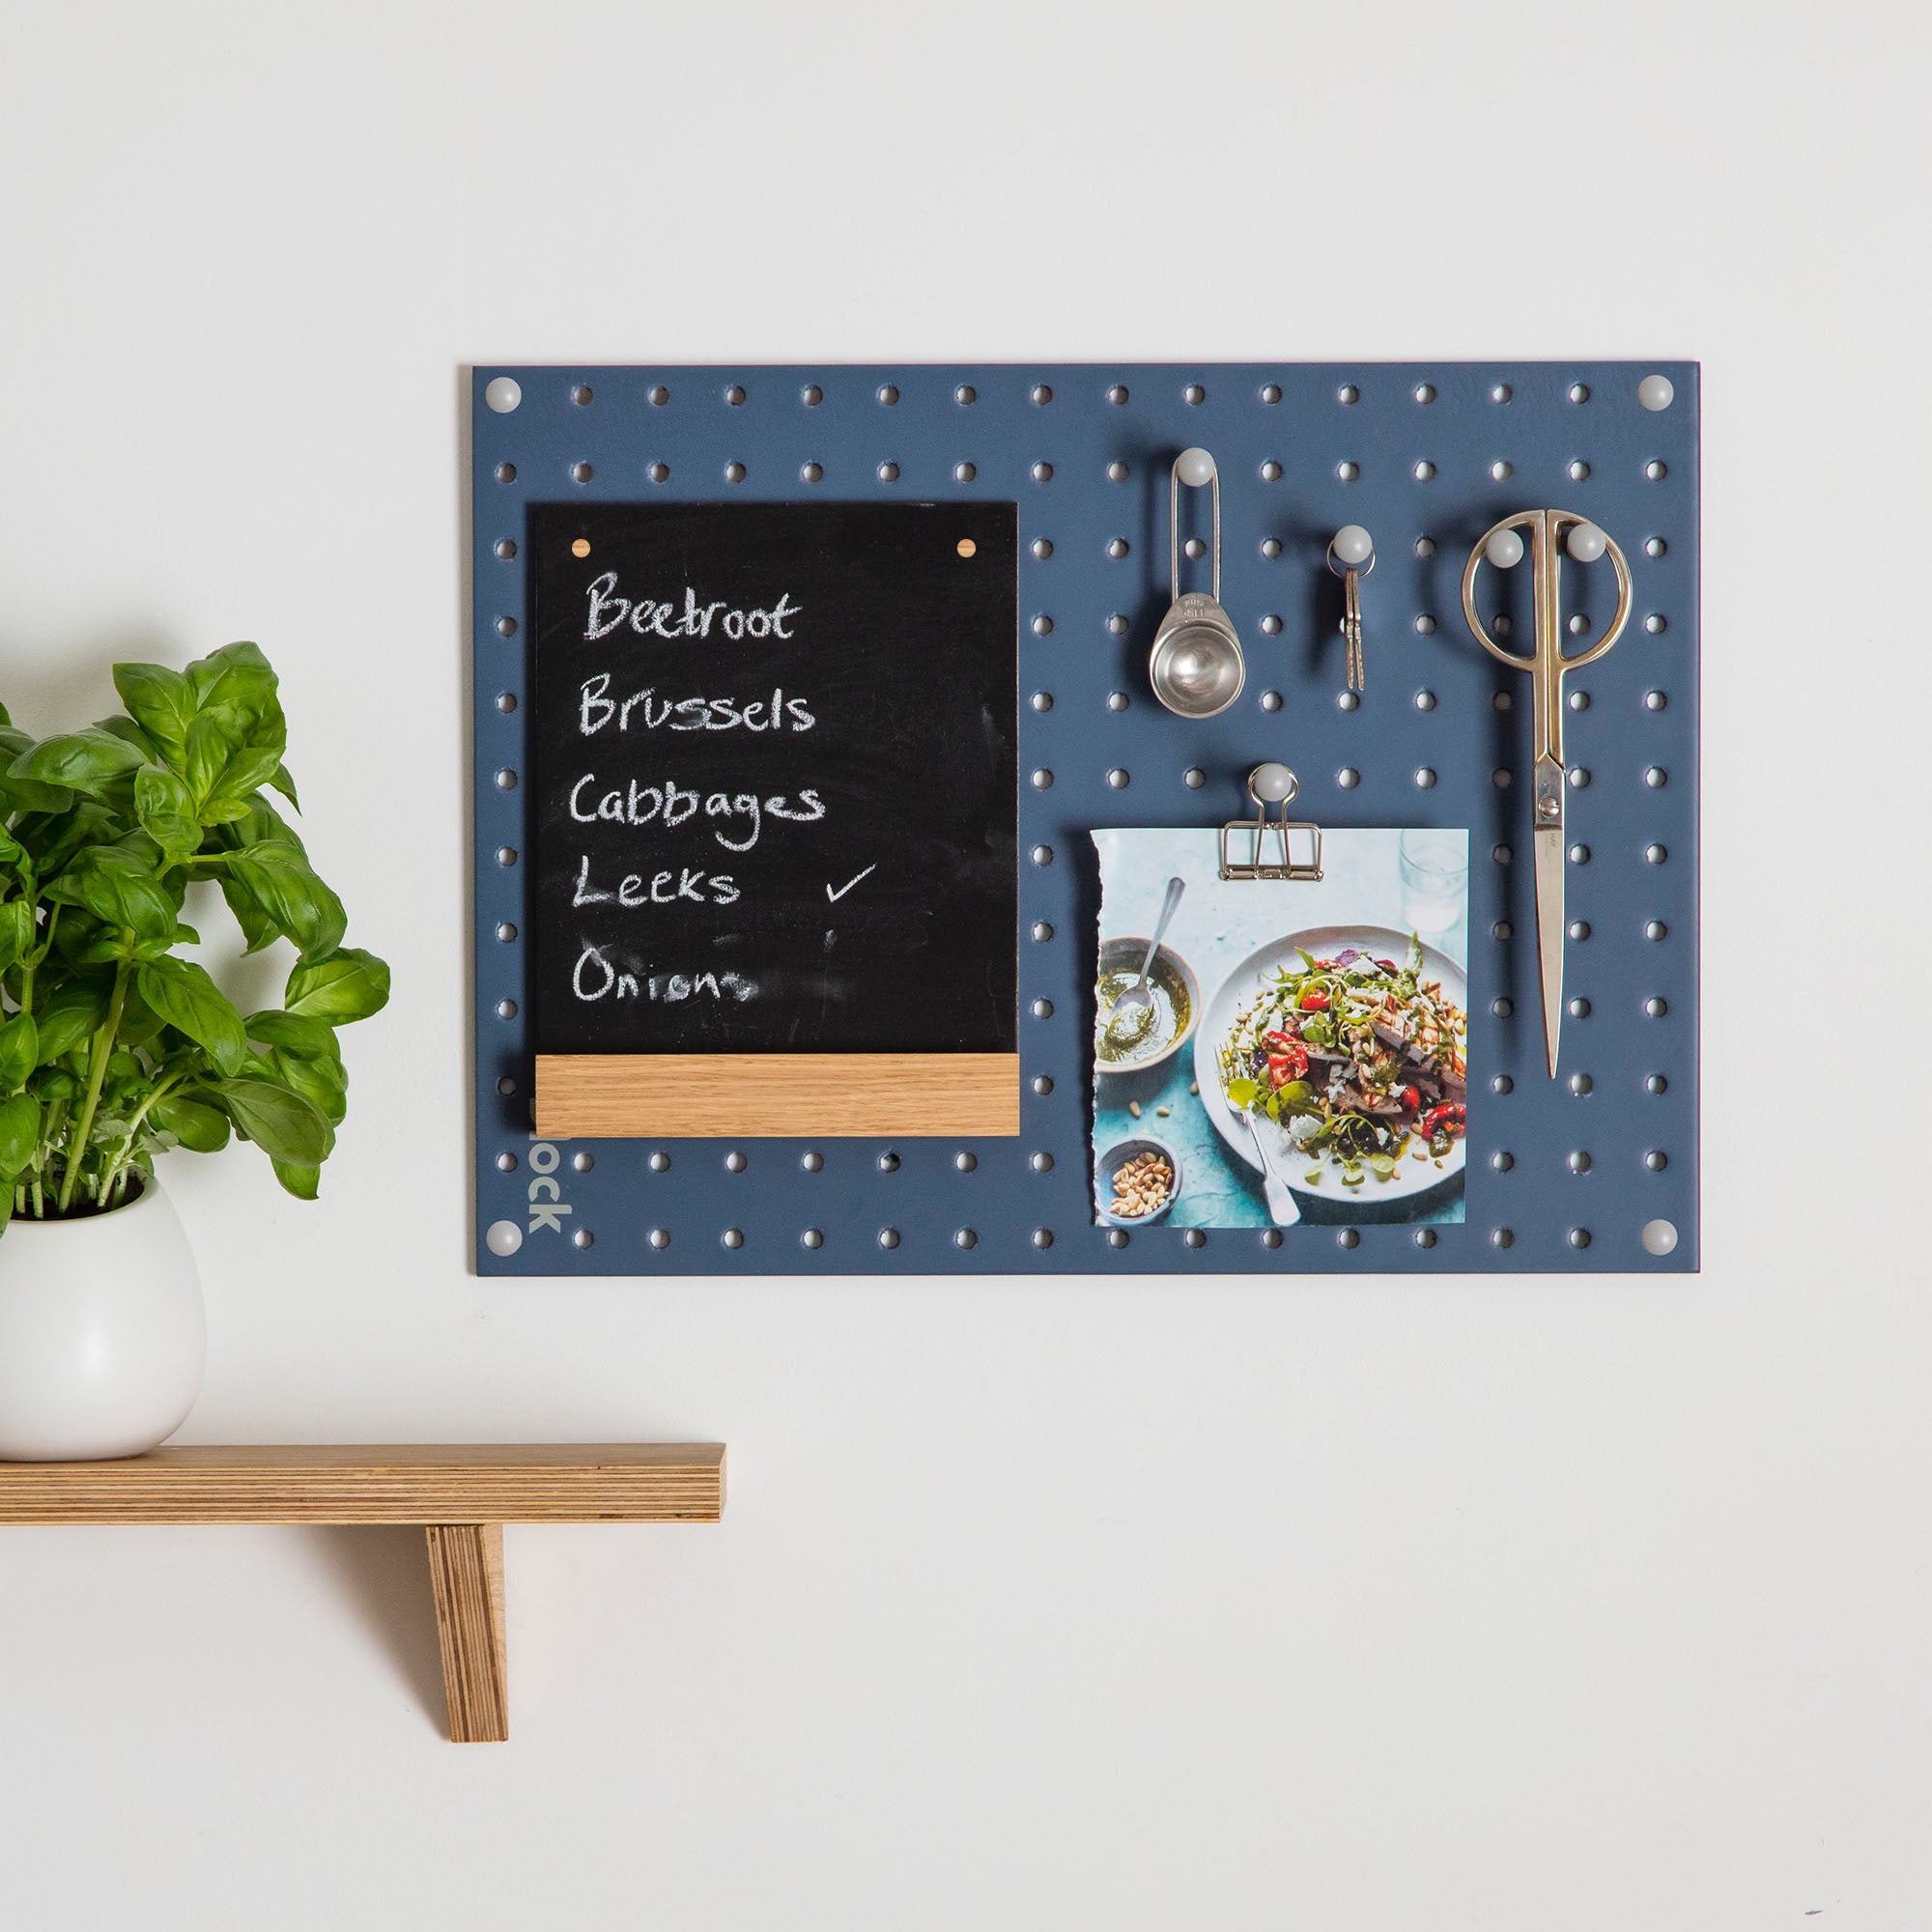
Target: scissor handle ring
{"x":1561,"y":520}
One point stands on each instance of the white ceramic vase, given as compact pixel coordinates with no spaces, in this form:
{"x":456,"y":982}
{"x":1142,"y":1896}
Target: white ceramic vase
{"x":102,"y":1335}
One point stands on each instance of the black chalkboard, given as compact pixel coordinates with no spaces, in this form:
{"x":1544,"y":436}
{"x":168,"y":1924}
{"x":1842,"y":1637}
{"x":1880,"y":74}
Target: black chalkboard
{"x":775,"y":803}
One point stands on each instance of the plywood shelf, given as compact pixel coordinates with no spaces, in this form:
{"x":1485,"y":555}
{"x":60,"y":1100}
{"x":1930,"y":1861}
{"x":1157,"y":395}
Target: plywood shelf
{"x":460,"y":1494}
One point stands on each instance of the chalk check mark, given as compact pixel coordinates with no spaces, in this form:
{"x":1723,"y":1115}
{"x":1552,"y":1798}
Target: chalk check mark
{"x":834,"y":898}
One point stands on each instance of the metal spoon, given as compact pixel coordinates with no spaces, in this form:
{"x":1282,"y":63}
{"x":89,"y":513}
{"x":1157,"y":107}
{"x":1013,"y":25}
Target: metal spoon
{"x":1137,"y":995}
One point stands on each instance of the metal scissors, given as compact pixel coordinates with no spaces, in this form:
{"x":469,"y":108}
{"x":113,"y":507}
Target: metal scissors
{"x":1547,"y":665}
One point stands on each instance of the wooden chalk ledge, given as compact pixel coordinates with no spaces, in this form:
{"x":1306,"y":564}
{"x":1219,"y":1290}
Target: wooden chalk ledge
{"x":829,"y":1095}
{"x":461,"y":1495}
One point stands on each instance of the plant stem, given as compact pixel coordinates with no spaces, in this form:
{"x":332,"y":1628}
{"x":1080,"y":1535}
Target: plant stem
{"x":117,"y":1168}
{"x":96,"y":1075}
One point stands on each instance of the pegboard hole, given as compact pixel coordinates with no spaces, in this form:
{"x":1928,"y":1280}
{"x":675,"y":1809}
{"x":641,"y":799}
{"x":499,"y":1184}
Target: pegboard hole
{"x":1347,"y":1238}
{"x":1581,"y":1085}
{"x":1656,"y":930}
{"x":659,"y":1238}
{"x":1042,"y":547}
{"x":506,"y":1009}
{"x":1502,"y":930}
{"x":1042,"y":1009}
{"x":1502,"y":777}
{"x":1657,"y":777}
{"x":1270,"y":472}
{"x":1425,"y":625}
{"x":581,"y":472}
{"x":1042,"y":779}
{"x":1656,"y":855}
{"x":889,"y":473}
{"x":581,"y":395}
{"x":1270,"y":548}
{"x":506,"y":781}
{"x":964,"y":472}
{"x":660,"y":1162}
{"x":1194,"y":778}
{"x":1119,"y":778}
{"x":1347,"y":471}
{"x":506,"y":1163}
{"x":660,"y":395}
{"x":1042,"y":931}
{"x":1425,"y":701}
{"x":1195,"y":548}
{"x":888,"y":1162}
{"x":1502,"y":1238}
{"x":1042,"y":1084}
{"x":888,"y":394}
{"x":1579,"y":1238}
{"x":1502,"y":1006}
{"x":1117,"y":471}
{"x":1117,"y":1238}
{"x":582,"y":1163}
{"x":1271,"y":392}
{"x":813,"y":1238}
{"x":1117,"y":624}
{"x":1580,"y":1162}
{"x":1348,"y":777}
{"x":1041,"y":1163}
{"x":1348,"y":393}
{"x":1042,"y":855}
{"x":1118,"y":395}
{"x":1116,"y":701}
{"x":734,"y":1162}
{"x":506,"y":855}
{"x":1656,"y":1008}
{"x":734,"y":1238}
{"x":1655,"y":700}
{"x":1658,"y":1238}
{"x":1580,"y":930}
{"x":1579,"y":471}
{"x":1042,"y":394}
{"x":1656,"y":623}
{"x":734,"y":472}
{"x":1657,"y":1160}
{"x":1195,"y":1238}
{"x":1043,"y":701}
{"x":889,"y":1238}
{"x":1042,"y":472}
{"x":1042,"y":1237}
{"x":507,"y":702}
{"x":965,"y":1238}
{"x":1425,"y":392}
{"x":1502,"y":1084}
{"x":1502,"y":627}
{"x":1347,"y":701}
{"x":1579,"y":855}
{"x":1656,"y":471}
{"x":1195,"y":394}
{"x":1425,"y":1238}
{"x":1043,"y":626}
{"x":506,"y":547}
{"x":1501,"y":393}
{"x":1579,"y":625}
{"x":811,"y":395}
{"x":1501,"y":471}
{"x":1271,"y":625}
{"x":1655,"y":547}
{"x":812,"y":472}
{"x":1579,"y":777}
{"x":1425,"y":471}
{"x":1501,"y":854}
{"x":1271,"y":700}
{"x":1502,"y":1161}
{"x":1424,"y":547}
{"x":735,"y":395}
{"x":584,"y":1238}
{"x":1579,"y":701}
{"x":1425,"y":777}
{"x":507,"y":932}
{"x":1580,"y":392}
{"x":506,"y":472}
{"x":659,"y":472}
{"x":1117,"y":547}
{"x":965,"y":395}
{"x":812,"y":1162}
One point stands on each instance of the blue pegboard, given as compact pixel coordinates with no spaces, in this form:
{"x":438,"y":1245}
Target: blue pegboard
{"x":1427,"y":456}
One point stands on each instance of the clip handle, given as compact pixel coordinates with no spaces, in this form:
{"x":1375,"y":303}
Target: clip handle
{"x":1193,"y":468}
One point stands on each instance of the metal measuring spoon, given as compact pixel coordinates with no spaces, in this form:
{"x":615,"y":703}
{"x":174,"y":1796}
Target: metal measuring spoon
{"x":1196,"y":666}
{"x":1137,"y":995}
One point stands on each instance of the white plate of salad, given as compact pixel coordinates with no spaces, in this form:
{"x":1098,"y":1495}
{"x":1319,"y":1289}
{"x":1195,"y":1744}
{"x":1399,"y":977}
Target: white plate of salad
{"x":1349,"y":1046}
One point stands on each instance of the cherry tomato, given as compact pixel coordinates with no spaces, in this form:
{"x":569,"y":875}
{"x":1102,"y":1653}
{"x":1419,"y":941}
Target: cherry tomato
{"x":1412,"y":1099}
{"x":1314,"y":1001}
{"x":1287,"y":1063}
{"x":1450,"y":1118}
{"x":1275,"y":1041}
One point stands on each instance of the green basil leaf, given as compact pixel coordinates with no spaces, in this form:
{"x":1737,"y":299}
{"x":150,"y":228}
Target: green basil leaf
{"x":118,"y":890}
{"x":160,"y":701}
{"x":199,"y":1127}
{"x":19,"y":1052}
{"x":284,"y":782}
{"x":285,"y":885}
{"x":294,"y":1033}
{"x":71,"y":1014}
{"x":282,"y":1124}
{"x":167,"y":812}
{"x":19,"y":1133}
{"x":16,"y":931}
{"x":25,"y":794}
{"x":86,"y":761}
{"x":191,"y":1003}
{"x":239,"y":779}
{"x":322,"y":1082}
{"x":346,"y":985}
{"x":210,"y":744}
{"x":300,"y":1181}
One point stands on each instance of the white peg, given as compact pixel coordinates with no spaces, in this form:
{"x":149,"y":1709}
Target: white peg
{"x":1587,"y":541}
{"x":1352,"y":545}
{"x":503,"y":1237}
{"x":1504,"y":549}
{"x":503,"y":393}
{"x":1272,"y":784}
{"x":1194,"y":467}
{"x":1656,"y":392}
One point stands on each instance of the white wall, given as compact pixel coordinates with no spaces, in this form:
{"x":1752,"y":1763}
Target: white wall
{"x":1505,"y":1604}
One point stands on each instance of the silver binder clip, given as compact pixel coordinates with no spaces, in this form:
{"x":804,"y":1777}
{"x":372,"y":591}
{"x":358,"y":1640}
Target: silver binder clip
{"x":1267,"y":841}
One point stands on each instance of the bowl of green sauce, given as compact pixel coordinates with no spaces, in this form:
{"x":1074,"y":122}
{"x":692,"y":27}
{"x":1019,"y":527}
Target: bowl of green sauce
{"x":1151,"y":1035}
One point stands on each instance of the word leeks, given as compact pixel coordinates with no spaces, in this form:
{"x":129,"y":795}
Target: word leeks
{"x":112,"y":1048}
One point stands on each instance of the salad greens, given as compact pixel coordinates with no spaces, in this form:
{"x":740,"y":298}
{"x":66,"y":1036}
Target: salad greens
{"x":112,"y":1048}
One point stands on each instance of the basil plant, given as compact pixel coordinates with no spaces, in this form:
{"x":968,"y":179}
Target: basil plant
{"x":112,"y":1048}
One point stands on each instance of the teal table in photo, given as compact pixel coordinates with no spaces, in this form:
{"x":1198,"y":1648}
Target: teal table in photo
{"x":1215,"y":928}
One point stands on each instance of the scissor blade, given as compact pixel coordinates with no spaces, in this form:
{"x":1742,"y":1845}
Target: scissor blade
{"x":1550,"y":932}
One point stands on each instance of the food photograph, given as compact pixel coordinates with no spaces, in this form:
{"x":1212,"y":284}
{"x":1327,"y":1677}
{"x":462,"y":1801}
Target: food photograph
{"x":1271,"y":1052}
